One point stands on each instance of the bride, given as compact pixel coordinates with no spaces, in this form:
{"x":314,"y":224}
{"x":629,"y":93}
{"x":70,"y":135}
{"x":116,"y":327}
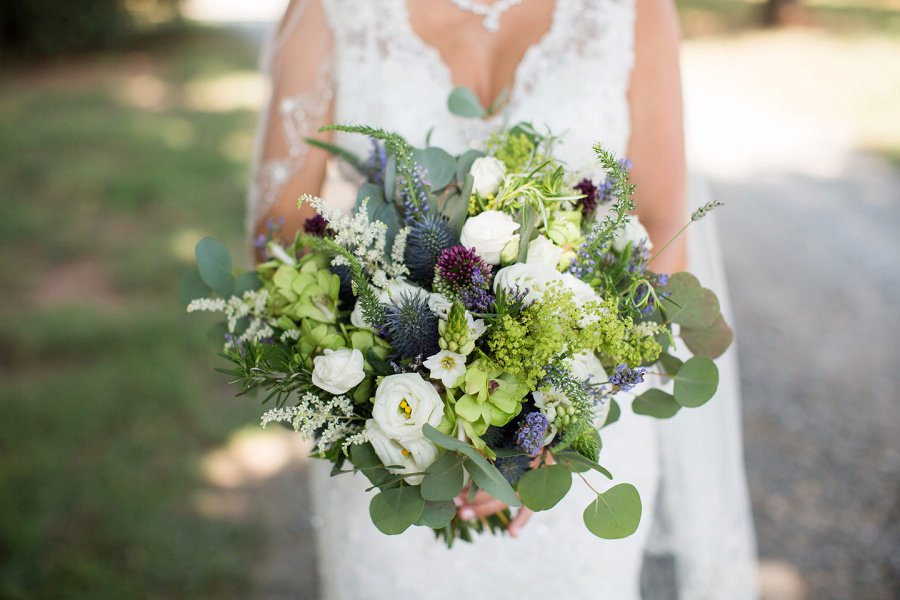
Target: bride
{"x":590,"y":70}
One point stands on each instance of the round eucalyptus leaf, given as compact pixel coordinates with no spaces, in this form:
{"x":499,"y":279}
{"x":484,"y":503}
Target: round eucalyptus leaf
{"x":487,"y":477}
{"x":246,"y":282}
{"x":712,"y":341}
{"x":437,"y":514}
{"x":543,"y":488}
{"x":464,"y":164}
{"x":615,"y":514}
{"x":614,"y":413}
{"x":214,"y":265}
{"x":655,"y":403}
{"x":192,"y":287}
{"x":395,"y":509}
{"x":439,"y":165}
{"x":670,"y":364}
{"x":444,"y":478}
{"x":689,"y":303}
{"x":464,"y":103}
{"x":696,"y":382}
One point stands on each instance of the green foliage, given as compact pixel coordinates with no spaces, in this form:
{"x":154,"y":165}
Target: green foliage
{"x":688,"y":303}
{"x":463,"y":102}
{"x":214,"y":266}
{"x":615,"y":514}
{"x":655,"y":403}
{"x":579,"y":464}
{"x":437,"y":515}
{"x":483,"y":473}
{"x":394,"y":510}
{"x":543,"y":488}
{"x":711,"y":342}
{"x":588,"y":444}
{"x":444,"y":478}
{"x":696,"y":382}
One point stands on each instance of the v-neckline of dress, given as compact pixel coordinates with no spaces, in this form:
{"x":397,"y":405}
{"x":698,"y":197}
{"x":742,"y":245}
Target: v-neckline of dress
{"x":446,"y":73}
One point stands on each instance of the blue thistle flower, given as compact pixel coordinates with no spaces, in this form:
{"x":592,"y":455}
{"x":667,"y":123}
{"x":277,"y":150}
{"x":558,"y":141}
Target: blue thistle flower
{"x":513,"y":467}
{"x":411,"y":327}
{"x":427,"y":238}
{"x":627,"y":379}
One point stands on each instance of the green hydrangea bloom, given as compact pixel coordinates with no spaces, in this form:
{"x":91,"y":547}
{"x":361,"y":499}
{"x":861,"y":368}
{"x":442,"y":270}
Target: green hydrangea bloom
{"x":492,"y":396}
{"x":305,"y":291}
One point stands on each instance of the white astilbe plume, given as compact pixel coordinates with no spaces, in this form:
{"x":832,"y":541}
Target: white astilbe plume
{"x":333,"y":417}
{"x":253,"y":305}
{"x":365,"y":239}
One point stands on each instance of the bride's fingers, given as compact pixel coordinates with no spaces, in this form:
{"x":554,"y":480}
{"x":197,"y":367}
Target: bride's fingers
{"x":481,"y":508}
{"x":519,"y":521}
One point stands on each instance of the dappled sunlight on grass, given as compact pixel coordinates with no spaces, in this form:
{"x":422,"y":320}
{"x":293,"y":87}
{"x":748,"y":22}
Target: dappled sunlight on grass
{"x":226,"y":93}
{"x":252,"y":455}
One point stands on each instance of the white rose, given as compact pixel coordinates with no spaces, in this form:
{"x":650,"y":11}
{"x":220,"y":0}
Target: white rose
{"x":404,"y":403}
{"x":633,"y":232}
{"x":338,"y":371}
{"x":487,"y":233}
{"x":541,"y":251}
{"x":414,"y":455}
{"x":488,"y":173}
{"x":522,"y":276}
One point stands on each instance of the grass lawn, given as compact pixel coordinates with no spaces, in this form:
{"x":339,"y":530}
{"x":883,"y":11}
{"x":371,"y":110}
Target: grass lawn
{"x":111,"y":167}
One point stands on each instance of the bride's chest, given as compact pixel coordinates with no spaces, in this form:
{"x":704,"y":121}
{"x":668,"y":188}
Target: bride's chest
{"x":574,"y":80}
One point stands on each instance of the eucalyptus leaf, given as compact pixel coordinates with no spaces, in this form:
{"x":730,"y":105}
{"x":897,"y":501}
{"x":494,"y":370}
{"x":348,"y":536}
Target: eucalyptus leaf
{"x":484,"y":474}
{"x":246,"y":282}
{"x":615,"y":514}
{"x":696,"y":382}
{"x":444,"y":478}
{"x":192,"y":287}
{"x":454,"y":208}
{"x":544,"y":487}
{"x":365,"y":460}
{"x":439,"y":165}
{"x":463,"y":102}
{"x":214,"y":265}
{"x":655,"y":403}
{"x":669,"y":363}
{"x":689,"y":303}
{"x":393,"y":511}
{"x":390,"y":178}
{"x":614,"y":413}
{"x":437,"y":514}
{"x":579,"y":464}
{"x":712,"y":341}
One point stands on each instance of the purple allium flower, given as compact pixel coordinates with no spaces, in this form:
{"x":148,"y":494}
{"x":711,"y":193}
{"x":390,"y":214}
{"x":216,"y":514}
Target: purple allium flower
{"x":316,"y":225}
{"x":467,"y":276}
{"x":626,"y":378}
{"x":588,"y":204}
{"x":530,"y":436}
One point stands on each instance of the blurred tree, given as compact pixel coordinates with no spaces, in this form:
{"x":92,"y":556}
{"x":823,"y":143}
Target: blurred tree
{"x":783,"y":12}
{"x":46,"y":27}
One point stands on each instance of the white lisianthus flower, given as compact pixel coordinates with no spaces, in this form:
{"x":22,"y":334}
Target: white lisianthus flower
{"x":633,"y":232}
{"x":447,"y":367}
{"x":581,"y":290}
{"x":338,"y":371}
{"x":488,"y":173}
{"x":404,"y":403}
{"x":535,"y":278}
{"x":413,"y":455}
{"x":488,"y":233}
{"x":440,"y":305}
{"x":542,"y":251}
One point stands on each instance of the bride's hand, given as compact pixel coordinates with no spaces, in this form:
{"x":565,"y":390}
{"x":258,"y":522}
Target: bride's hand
{"x":484,"y":505}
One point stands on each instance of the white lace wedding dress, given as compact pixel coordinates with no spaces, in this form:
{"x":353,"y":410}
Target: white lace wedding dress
{"x":363,"y":63}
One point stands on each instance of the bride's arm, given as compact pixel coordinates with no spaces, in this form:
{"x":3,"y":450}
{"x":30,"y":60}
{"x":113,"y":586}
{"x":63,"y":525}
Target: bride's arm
{"x":301,"y":102}
{"x":657,"y":133}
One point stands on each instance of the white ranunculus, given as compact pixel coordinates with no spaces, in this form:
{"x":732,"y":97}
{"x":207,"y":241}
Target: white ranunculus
{"x":487,"y":233}
{"x":404,"y":403}
{"x":519,"y":277}
{"x":541,"y":251}
{"x":582,"y":291}
{"x":413,"y":455}
{"x":446,"y":367}
{"x":633,"y":232}
{"x":338,"y":371}
{"x":488,"y":173}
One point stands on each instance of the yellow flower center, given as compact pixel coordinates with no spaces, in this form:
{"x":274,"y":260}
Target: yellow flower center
{"x":405,"y":452}
{"x":448,"y":362}
{"x":405,"y":409}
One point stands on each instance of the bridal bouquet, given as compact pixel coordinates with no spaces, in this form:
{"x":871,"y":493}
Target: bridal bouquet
{"x":473,"y":324}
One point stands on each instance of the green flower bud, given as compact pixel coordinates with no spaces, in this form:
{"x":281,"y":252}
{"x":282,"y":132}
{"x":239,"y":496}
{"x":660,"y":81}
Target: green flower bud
{"x":510,"y":252}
